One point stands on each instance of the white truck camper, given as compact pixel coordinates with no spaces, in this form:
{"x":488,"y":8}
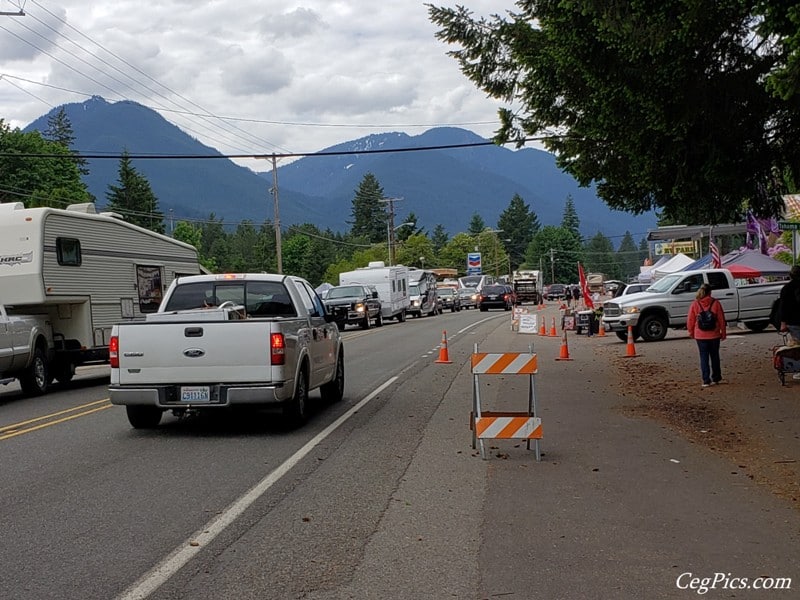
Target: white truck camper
{"x":391,"y":283}
{"x":85,"y":272}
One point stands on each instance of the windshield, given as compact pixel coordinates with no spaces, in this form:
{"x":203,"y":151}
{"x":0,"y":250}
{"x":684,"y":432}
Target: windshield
{"x":413,"y":290}
{"x":471,"y":280}
{"x":344,"y":292}
{"x":662,"y":285}
{"x":445,"y":292}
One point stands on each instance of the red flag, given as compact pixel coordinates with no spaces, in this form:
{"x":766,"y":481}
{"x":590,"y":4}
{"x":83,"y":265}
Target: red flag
{"x":587,"y":297}
{"x":716,"y":263}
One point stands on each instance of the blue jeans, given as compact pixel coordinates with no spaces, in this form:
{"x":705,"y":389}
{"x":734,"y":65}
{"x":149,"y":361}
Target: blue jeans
{"x":709,"y":352}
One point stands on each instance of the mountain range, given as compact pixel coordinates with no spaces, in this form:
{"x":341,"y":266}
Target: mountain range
{"x":438,"y":183}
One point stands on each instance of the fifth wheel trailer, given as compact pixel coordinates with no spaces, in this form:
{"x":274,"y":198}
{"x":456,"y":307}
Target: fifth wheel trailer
{"x":85,"y":272}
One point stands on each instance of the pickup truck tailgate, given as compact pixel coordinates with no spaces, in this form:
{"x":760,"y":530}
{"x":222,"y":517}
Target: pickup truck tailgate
{"x":200,"y":352}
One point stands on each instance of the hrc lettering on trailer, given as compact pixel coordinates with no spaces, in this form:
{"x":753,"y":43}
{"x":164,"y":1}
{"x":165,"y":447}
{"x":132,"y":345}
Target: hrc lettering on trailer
{"x":507,"y":363}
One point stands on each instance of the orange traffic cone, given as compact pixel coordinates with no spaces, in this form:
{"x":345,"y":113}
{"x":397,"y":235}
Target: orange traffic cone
{"x":630,"y":349}
{"x":444,"y":355}
{"x":601,"y":331}
{"x":543,"y":328}
{"x":564,"y":353}
{"x":553,"y":332}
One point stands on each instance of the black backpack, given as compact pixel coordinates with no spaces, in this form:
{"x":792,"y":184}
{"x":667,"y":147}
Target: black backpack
{"x":706,"y":319}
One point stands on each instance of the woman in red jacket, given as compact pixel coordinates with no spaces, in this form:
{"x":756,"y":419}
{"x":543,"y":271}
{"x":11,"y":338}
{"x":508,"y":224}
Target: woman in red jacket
{"x":707,"y":332}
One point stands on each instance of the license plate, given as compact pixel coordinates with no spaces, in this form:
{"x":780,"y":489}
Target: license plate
{"x":492,"y":297}
{"x":196,"y":393}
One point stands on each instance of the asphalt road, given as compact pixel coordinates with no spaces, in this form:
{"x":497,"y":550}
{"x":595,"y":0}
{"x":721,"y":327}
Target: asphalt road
{"x":382,"y":496}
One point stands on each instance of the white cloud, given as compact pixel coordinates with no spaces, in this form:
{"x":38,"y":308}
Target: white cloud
{"x":301,"y":75}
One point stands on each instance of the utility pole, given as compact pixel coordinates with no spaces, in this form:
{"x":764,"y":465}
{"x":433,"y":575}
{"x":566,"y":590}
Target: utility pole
{"x":552,"y":267}
{"x":390,"y":226}
{"x":274,"y":191}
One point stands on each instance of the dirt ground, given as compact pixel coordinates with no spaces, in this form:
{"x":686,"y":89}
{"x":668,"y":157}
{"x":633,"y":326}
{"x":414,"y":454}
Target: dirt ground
{"x":750,"y":419}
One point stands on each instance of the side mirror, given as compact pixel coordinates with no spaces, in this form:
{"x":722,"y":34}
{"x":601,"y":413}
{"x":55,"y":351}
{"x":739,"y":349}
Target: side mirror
{"x":374,"y":294}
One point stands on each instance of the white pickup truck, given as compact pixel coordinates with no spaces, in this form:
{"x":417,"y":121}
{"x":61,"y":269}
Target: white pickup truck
{"x":227,"y":340}
{"x":665,"y":304}
{"x":26,"y":351}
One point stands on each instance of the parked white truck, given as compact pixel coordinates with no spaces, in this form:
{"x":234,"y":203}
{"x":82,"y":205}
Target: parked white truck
{"x":665,"y":304}
{"x":259,"y":340}
{"x":26,"y":349}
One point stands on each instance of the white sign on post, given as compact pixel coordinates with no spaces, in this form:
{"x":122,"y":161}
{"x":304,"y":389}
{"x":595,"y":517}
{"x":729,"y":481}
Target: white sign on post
{"x":527,"y":323}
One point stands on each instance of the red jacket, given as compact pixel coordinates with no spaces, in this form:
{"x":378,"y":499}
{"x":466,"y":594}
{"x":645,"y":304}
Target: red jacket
{"x":691,"y":321}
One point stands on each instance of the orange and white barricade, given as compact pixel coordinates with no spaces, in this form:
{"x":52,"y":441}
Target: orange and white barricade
{"x":505,"y":425}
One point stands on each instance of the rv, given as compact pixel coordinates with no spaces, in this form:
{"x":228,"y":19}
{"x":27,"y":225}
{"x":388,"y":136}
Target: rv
{"x":391,"y":283}
{"x":422,"y":292}
{"x":85,"y":272}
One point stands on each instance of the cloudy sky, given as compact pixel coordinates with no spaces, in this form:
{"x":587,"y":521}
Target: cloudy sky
{"x":247,"y":76}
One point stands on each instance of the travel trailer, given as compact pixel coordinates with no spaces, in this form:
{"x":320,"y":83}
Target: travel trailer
{"x":391,"y":283}
{"x":85,"y":272}
{"x":422,"y":292}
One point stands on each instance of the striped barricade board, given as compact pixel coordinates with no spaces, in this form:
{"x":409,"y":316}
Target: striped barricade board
{"x":508,"y":426}
{"x":506,"y":363}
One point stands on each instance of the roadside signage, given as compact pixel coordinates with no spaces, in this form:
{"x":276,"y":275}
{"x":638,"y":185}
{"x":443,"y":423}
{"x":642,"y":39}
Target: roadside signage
{"x":662,"y":248}
{"x":474,"y":263}
{"x":789,"y":225}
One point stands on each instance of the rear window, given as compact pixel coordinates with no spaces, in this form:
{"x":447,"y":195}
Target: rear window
{"x":493,"y":289}
{"x":260,"y":298}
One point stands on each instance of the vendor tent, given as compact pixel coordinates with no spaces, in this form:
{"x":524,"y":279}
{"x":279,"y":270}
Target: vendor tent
{"x":762,"y":263}
{"x":646,"y":272}
{"x":676,"y":263}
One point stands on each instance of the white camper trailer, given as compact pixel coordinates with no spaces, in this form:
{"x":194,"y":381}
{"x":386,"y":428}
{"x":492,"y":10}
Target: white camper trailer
{"x":84,"y":271}
{"x":391,"y":283}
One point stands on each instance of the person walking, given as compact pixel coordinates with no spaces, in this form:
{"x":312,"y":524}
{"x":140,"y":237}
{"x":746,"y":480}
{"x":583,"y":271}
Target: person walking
{"x":568,"y":294}
{"x":707,"y":326}
{"x":789,"y":306}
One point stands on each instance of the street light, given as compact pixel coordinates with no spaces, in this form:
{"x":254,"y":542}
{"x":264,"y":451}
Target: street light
{"x":389,"y":232}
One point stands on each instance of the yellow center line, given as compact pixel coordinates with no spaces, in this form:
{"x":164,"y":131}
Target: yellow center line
{"x":5,"y":428}
{"x":43,"y":425}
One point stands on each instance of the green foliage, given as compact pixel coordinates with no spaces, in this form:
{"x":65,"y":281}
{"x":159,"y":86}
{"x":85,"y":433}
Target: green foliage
{"x":368,"y":212}
{"x":558,"y":251}
{"x":454,"y":254}
{"x":683,"y":106}
{"x":35,"y":181}
{"x":439,"y":238}
{"x":600,"y":257}
{"x":629,"y":258}
{"x":417,"y":251}
{"x":569,"y":219}
{"x":360,"y":258}
{"x":476,"y":224}
{"x":133,"y":198}
{"x":519,"y":224}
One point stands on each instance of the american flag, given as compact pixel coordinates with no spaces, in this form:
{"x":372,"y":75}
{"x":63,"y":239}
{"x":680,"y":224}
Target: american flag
{"x":716,"y":263}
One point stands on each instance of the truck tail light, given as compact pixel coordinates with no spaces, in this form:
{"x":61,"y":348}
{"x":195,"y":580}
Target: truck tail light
{"x":113,"y":352}
{"x":277,"y":348}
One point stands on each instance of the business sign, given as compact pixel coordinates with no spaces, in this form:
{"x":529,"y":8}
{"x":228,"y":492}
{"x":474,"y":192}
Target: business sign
{"x":662,"y":248}
{"x":474,"y":263}
{"x":789,"y":226}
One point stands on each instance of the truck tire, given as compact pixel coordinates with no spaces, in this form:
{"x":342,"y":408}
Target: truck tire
{"x":401,"y":318}
{"x":756,"y":326}
{"x":144,"y":417}
{"x":36,"y":378}
{"x":653,"y":328}
{"x":333,"y":391}
{"x":623,"y":336}
{"x":367,"y":322}
{"x":379,"y":320}
{"x":296,"y":410}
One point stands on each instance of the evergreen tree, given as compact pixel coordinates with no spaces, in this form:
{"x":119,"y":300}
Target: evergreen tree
{"x":59,"y":130}
{"x":644,"y":250}
{"x":558,"y":251}
{"x":368,"y":211}
{"x":519,"y":224}
{"x":417,"y":251}
{"x":570,"y":220}
{"x":476,"y":224}
{"x":628,"y":257}
{"x":600,"y":257}
{"x":439,"y":238}
{"x":133,"y":198}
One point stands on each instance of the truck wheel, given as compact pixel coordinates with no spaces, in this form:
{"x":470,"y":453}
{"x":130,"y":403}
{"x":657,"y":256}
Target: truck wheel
{"x":653,"y":328}
{"x":296,"y":410}
{"x":623,"y":336}
{"x":35,"y":379}
{"x":366,"y":323}
{"x":379,"y":320}
{"x":333,"y":391}
{"x":144,"y":417}
{"x":64,"y":372}
{"x":757,"y":325}
{"x":401,"y":317}
{"x":340,"y":325}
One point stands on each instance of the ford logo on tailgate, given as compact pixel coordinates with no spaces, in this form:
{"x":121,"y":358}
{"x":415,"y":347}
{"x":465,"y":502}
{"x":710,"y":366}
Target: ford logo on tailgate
{"x":194,"y":353}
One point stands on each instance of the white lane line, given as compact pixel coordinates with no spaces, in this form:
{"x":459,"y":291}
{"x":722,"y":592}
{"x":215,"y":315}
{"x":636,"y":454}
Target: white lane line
{"x":161,"y":573}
